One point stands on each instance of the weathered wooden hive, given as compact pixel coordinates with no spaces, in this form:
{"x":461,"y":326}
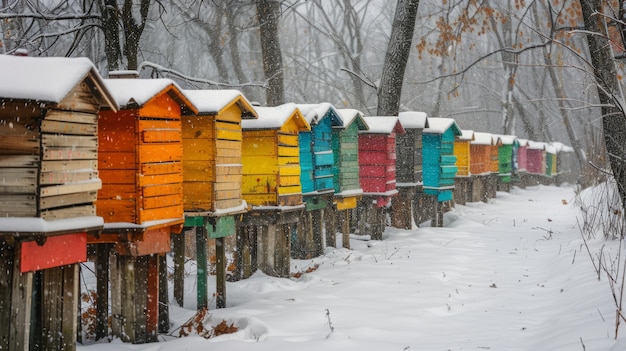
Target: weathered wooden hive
{"x":494,"y":156}
{"x":565,"y":163}
{"x":377,"y":157}
{"x":346,"y":154}
{"x":535,"y":163}
{"x":409,"y":148}
{"x":521,"y":157}
{"x":271,"y":156}
{"x":48,"y":185}
{"x":439,"y":160}
{"x":480,"y":153}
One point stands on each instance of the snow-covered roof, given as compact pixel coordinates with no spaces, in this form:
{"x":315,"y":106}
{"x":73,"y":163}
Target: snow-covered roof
{"x":466,"y":135}
{"x":382,"y":125}
{"x":551,"y":149}
{"x":129,"y":92}
{"x":536,"y":145}
{"x":313,"y":113}
{"x":48,"y":79}
{"x":481,"y":138}
{"x":211,"y":102}
{"x":39,"y":225}
{"x":560,"y":147}
{"x":349,"y":115}
{"x":522,"y":142}
{"x":507,"y":139}
{"x":413,"y":119}
{"x":274,"y":117}
{"x":439,"y":125}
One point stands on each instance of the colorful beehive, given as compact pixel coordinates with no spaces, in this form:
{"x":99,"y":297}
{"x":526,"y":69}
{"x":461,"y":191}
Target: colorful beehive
{"x":520,"y":158}
{"x":212,"y":169}
{"x":408,"y":168}
{"x":550,"y":160}
{"x":565,"y":163}
{"x":494,"y":154}
{"x":212,"y":177}
{"x":377,"y":157}
{"x":505,"y":157}
{"x":535,"y":157}
{"x":346,"y":154}
{"x":463,"y":180}
{"x":141,"y":201}
{"x":271,"y":156}
{"x":439,"y":160}
{"x":48,"y":166}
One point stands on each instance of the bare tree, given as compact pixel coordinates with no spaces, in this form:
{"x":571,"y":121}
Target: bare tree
{"x":268,"y":14}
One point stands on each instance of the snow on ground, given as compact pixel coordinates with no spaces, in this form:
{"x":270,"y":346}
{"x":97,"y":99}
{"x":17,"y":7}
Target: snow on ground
{"x":513,"y":274}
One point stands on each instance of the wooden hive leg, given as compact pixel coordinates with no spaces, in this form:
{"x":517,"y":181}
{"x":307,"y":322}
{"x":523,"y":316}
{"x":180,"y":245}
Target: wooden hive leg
{"x":152,"y":298}
{"x":220,"y":269}
{"x":317,"y":221}
{"x":164,"y":303}
{"x":178,"y":241}
{"x":330,"y":214}
{"x":58,"y":312}
{"x":102,"y":264}
{"x":15,"y":298}
{"x":282,"y":257}
{"x":202,"y":271}
{"x":345,"y":229}
{"x":309,"y":236}
{"x":6,"y":280}
{"x":298,"y":245}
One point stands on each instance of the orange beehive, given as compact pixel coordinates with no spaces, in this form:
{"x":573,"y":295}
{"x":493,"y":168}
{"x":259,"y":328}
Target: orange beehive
{"x":480,"y":153}
{"x":141,"y":152}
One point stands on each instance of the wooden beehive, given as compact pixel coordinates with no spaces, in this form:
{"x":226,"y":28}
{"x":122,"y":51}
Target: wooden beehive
{"x":409,"y":147}
{"x":271,"y":156}
{"x":141,"y":152}
{"x":439,"y":165}
{"x":345,"y":146}
{"x":480,"y":153}
{"x":316,"y":154}
{"x":521,"y":156}
{"x":48,"y":137}
{"x":462,"y":153}
{"x":377,"y":157}
{"x":550,"y":160}
{"x":212,"y":163}
{"x":535,"y":157}
{"x":494,"y":160}
{"x":505,"y":157}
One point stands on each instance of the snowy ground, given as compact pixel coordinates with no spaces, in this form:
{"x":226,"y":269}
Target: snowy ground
{"x":513,"y":274}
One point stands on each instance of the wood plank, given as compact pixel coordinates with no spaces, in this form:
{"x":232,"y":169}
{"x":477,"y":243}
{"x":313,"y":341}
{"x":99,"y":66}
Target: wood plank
{"x":162,"y":201}
{"x":224,"y":134}
{"x":19,"y":161}
{"x":160,"y":190}
{"x":225,"y":204}
{"x":194,"y":171}
{"x":69,"y":153}
{"x":199,"y":149}
{"x":122,"y":210}
{"x":69,"y":166}
{"x":117,"y":160}
{"x":17,"y":144}
{"x":118,"y":176}
{"x":161,"y":213}
{"x":160,"y":179}
{"x":64,"y":140}
{"x":117,"y":191}
{"x":67,"y":200}
{"x":69,"y":212}
{"x":18,"y":177}
{"x":160,"y":152}
{"x":162,"y":106}
{"x":153,"y":135}
{"x":70,"y":188}
{"x":62,"y":177}
{"x":161,"y":168}
{"x":71,"y":116}
{"x":21,"y":302}
{"x":62,"y":127}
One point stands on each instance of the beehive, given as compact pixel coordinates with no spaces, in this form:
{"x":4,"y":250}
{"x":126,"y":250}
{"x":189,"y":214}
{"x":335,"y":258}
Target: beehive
{"x":462,"y":152}
{"x":480,"y":153}
{"x":409,"y":147}
{"x":505,"y":157}
{"x":346,"y":154}
{"x":439,"y":161}
{"x":212,"y":161}
{"x":271,"y":156}
{"x":535,"y":163}
{"x":141,"y":152}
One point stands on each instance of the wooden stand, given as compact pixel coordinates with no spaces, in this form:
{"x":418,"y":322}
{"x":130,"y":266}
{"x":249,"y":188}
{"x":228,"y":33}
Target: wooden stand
{"x":463,"y":190}
{"x":264,"y":241}
{"x":402,"y":208}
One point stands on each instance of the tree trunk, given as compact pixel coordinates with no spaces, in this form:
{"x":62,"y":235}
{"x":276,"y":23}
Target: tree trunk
{"x":396,"y":57}
{"x":133,"y":31}
{"x":268,"y":14}
{"x":108,"y":9}
{"x":609,"y":91}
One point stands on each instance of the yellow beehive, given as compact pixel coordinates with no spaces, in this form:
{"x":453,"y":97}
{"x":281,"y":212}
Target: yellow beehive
{"x":462,"y":152}
{"x":270,"y":153}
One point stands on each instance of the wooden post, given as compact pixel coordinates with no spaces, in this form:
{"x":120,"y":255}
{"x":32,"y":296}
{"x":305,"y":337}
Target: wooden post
{"x":57,"y":317}
{"x":103,"y":268}
{"x":220,"y":270}
{"x":152,"y":297}
{"x":21,"y":302}
{"x":345,"y":229}
{"x":317,"y":222}
{"x":309,"y":236}
{"x":202,"y":262}
{"x":179,"y":267}
{"x":331,"y":226}
{"x":7,"y":253}
{"x":164,"y":303}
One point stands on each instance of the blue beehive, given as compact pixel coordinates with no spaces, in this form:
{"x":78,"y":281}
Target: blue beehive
{"x":439,"y":162}
{"x":316,"y":154}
